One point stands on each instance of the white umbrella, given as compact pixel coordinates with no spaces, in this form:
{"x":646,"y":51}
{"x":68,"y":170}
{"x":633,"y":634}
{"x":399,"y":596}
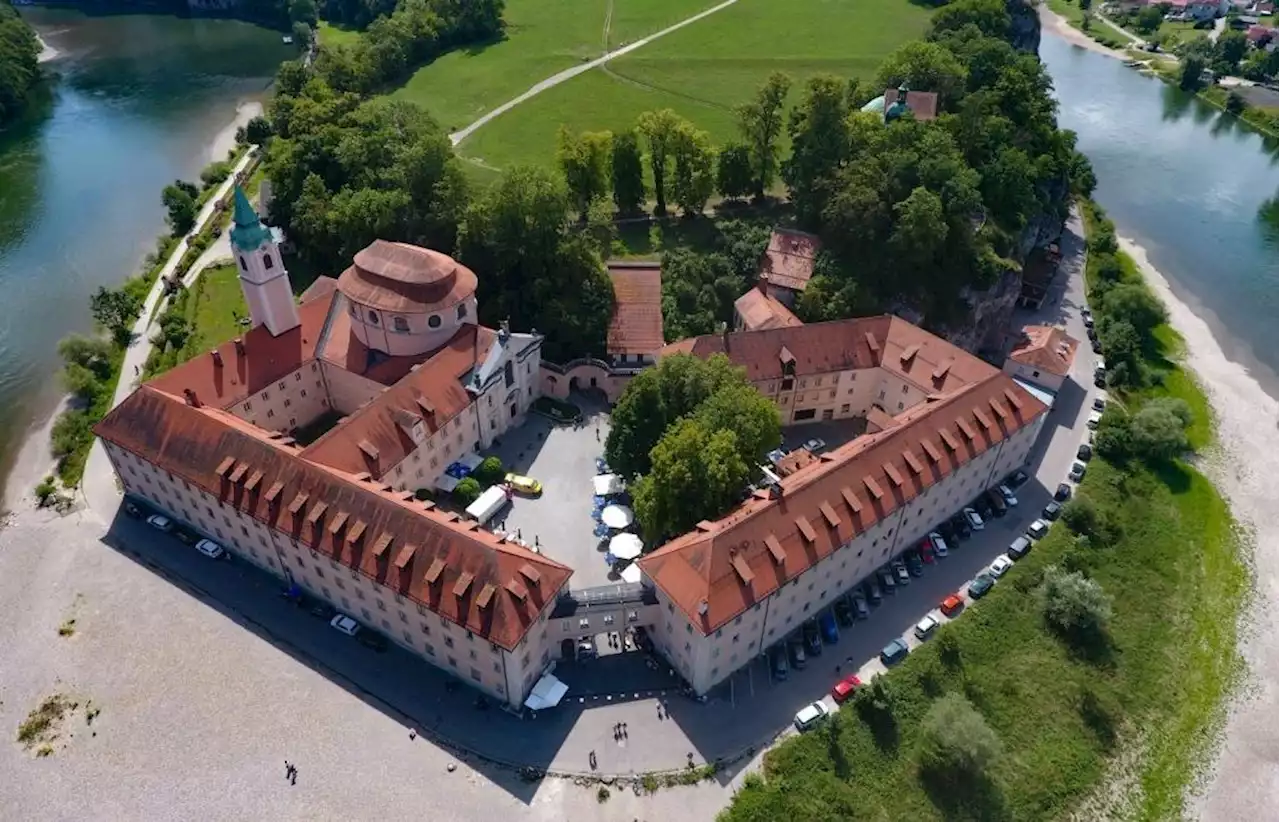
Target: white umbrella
{"x":546,"y":694}
{"x":617,"y":516}
{"x":631,"y":573}
{"x":606,"y":484}
{"x":626,"y":546}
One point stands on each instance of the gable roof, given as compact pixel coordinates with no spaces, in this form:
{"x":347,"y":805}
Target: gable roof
{"x":418,"y":551}
{"x":722,"y":568}
{"x":931,"y":364}
{"x":1046,"y":348}
{"x":238,"y":371}
{"x":378,"y":436}
{"x":760,"y":311}
{"x":788,"y":260}
{"x":636,"y":325}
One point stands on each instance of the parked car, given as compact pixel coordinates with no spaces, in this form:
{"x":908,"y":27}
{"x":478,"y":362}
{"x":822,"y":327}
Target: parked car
{"x":812,"y":637}
{"x":778,"y":662}
{"x":1007,"y":493}
{"x":948,"y":531}
{"x":131,"y":510}
{"x":996,"y":503}
{"x":815,"y":445}
{"x":1099,"y":403}
{"x":1063,"y":493}
{"x":925,"y":551}
{"x":1085,"y":452}
{"x":796,"y":647}
{"x":1094,"y":418}
{"x":980,"y":585}
{"x":860,"y":609}
{"x":587,"y":649}
{"x":184,"y":536}
{"x":373,"y":640}
{"x":1019,"y":548}
{"x":894,"y":652}
{"x":963,"y":528}
{"x":525,"y":485}
{"x":1095,"y":344}
{"x":1077,"y":471}
{"x":982,"y":504}
{"x":843,"y":612}
{"x":844,"y":689}
{"x":1051,"y":511}
{"x":1017,"y":479}
{"x":1092,"y":333}
{"x":210,"y":549}
{"x":1000,"y":566}
{"x":952,"y":605}
{"x":903,"y":575}
{"x":1087,"y":316}
{"x":887,"y":581}
{"x":1038,"y":529}
{"x":811,"y":715}
{"x":345,"y":624}
{"x":914,"y":565}
{"x":322,"y":610}
{"x":975,"y":521}
{"x":939,"y":544}
{"x":872,"y":590}
{"x":925,"y":627}
{"x":160,"y":522}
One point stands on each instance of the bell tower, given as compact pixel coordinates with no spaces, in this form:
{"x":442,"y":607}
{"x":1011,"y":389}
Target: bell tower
{"x":262,"y":274}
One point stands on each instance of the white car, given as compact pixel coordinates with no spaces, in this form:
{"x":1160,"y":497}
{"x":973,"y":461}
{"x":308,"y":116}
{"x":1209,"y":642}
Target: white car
{"x":160,"y":522}
{"x":1009,"y":498}
{"x":210,"y":549}
{"x":926,"y":627}
{"x":939,"y":544}
{"x":1038,"y":529}
{"x":1077,"y":471}
{"x":345,"y":624}
{"x":1001,"y":565}
{"x":815,"y":445}
{"x":811,"y":715}
{"x":974,"y":519}
{"x":1095,"y":417}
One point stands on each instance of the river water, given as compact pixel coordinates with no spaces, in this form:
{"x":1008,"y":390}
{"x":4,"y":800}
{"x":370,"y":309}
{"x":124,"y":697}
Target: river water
{"x":1184,"y":182}
{"x":140,"y":101}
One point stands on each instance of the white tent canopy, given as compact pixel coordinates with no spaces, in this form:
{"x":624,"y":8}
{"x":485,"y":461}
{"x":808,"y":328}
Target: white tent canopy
{"x":626,"y":546}
{"x":631,"y":573}
{"x":617,"y":516}
{"x":606,"y":484}
{"x":546,"y":694}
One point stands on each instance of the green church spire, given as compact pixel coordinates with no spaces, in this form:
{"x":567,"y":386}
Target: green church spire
{"x":249,"y":233}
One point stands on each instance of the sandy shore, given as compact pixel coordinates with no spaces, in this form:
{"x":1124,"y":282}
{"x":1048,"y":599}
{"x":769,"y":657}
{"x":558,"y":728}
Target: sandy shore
{"x":225,"y":139}
{"x":1243,"y":781}
{"x":32,"y":463}
{"x":1055,"y":24}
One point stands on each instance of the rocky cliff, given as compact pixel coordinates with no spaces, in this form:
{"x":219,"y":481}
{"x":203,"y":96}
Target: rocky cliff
{"x":1025,"y":34}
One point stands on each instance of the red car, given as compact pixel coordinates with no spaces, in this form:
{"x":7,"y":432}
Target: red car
{"x":845,"y":688}
{"x":926,"y":552}
{"x":951,"y":605}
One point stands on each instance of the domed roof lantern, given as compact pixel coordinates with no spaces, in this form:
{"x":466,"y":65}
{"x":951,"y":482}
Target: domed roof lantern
{"x":899,"y":106}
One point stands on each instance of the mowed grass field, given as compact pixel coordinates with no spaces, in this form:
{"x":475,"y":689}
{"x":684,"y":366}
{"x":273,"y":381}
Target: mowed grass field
{"x":704,"y":70}
{"x":543,"y":37}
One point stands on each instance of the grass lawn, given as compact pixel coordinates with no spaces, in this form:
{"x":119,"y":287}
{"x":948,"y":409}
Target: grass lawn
{"x":543,"y":37}
{"x":706,"y":69}
{"x":211,"y":307}
{"x":332,"y":35}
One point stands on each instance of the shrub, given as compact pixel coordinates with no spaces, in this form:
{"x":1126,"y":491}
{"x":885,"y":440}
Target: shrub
{"x":955,"y":743}
{"x":466,"y":492}
{"x":1081,"y":516}
{"x":215,"y":173}
{"x":489,"y":471}
{"x":46,"y":490}
{"x":1073,"y":604}
{"x":422,"y":494}
{"x":1235,"y":103}
{"x":1113,"y":439}
{"x":1159,"y":429}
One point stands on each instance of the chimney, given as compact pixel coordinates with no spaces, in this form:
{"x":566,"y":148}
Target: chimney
{"x":192,"y":399}
{"x":217,"y":357}
{"x":239,"y":341}
{"x":504,"y":330}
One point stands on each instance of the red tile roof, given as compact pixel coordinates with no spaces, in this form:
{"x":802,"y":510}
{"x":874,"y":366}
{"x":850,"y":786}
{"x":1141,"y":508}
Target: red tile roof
{"x":844,"y":345}
{"x":788,"y":261}
{"x":380,"y":435}
{"x":636,"y":326}
{"x":760,"y":311}
{"x":923,"y":104}
{"x":239,"y":371}
{"x":861,"y":483}
{"x":191,"y":443}
{"x":1046,"y":348}
{"x":406,"y":279}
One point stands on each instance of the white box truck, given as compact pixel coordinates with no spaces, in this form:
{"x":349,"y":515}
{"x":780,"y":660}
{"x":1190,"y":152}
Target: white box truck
{"x":488,"y":503}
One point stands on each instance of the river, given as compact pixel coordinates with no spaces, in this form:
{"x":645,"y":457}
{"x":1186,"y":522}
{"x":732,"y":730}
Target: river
{"x":1184,"y":182}
{"x":140,"y":100}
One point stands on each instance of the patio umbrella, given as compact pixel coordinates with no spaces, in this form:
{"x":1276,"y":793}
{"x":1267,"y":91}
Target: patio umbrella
{"x":605,"y":484}
{"x":626,"y":546}
{"x":631,"y":573}
{"x":617,"y":516}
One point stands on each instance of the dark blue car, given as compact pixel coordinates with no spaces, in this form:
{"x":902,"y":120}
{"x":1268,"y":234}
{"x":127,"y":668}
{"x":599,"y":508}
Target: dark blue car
{"x":827,"y":624}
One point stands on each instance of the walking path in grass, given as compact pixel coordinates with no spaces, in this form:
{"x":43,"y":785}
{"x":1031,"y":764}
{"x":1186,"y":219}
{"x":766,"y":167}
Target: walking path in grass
{"x":569,"y":73}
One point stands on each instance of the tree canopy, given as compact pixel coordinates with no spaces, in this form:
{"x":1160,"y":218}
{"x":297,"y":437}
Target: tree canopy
{"x":19,"y":63}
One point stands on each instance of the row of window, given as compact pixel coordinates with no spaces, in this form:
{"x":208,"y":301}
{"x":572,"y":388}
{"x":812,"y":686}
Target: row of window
{"x":400,"y":325}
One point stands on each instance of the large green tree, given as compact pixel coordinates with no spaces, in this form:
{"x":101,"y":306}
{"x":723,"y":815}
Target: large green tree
{"x":584,"y":161}
{"x":760,"y":122}
{"x":626,"y":166}
{"x":733,"y":171}
{"x":696,"y":474}
{"x":693,"y":178}
{"x":19,"y":63}
{"x":819,"y":145}
{"x":661,"y":131}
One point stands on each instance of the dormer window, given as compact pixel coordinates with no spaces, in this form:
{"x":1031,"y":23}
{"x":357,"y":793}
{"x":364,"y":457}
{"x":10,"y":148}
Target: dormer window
{"x":373,"y":317}
{"x":400,"y":324}
{"x":789,"y":368}
{"x":462,"y":311}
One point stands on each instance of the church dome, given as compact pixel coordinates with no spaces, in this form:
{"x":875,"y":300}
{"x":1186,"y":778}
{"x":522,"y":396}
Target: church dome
{"x":406,"y":279}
